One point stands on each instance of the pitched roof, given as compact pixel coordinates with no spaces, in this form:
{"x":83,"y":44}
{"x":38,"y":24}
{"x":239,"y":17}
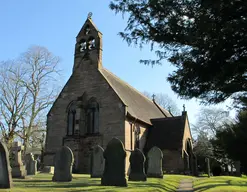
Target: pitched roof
{"x":167,"y":133}
{"x":138,"y":105}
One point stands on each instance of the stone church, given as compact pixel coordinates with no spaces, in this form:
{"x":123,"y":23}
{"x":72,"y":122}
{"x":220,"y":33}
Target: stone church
{"x":95,"y":105}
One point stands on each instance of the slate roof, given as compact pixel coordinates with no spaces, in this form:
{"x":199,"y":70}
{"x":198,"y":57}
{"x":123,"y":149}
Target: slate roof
{"x":138,"y":105}
{"x":166,"y":133}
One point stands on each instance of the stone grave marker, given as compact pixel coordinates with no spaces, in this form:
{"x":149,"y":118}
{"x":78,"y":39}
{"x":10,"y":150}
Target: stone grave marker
{"x":97,"y":162}
{"x":208,"y":166}
{"x":18,"y":169}
{"x":5,"y":170}
{"x":237,"y":166}
{"x":114,"y":172}
{"x":137,"y":171}
{"x":48,"y":169}
{"x":63,"y":162}
{"x":31,"y":164}
{"x":155,"y":157}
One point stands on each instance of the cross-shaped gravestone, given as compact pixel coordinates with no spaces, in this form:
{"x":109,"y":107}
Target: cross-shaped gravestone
{"x":16,"y":150}
{"x":18,"y":169}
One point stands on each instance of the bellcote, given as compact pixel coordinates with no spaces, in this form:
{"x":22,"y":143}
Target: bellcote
{"x":88,"y":44}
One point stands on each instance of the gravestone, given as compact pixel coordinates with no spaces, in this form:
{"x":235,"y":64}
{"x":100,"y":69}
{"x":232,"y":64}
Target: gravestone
{"x":114,"y":172}
{"x":155,"y":157}
{"x":18,"y":169}
{"x":31,"y":164}
{"x":208,"y":166}
{"x":63,"y":162}
{"x":137,"y":161}
{"x":195,"y":166}
{"x":237,"y":166}
{"x":5,"y":170}
{"x":48,"y":169}
{"x":98,"y":162}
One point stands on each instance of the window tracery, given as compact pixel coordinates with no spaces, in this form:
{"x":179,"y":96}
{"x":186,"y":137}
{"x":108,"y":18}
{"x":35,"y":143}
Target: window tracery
{"x":91,"y":43}
{"x":87,"y":30}
{"x":137,"y":136}
{"x":92,"y":117}
{"x":83,"y":45}
{"x":71,"y":119}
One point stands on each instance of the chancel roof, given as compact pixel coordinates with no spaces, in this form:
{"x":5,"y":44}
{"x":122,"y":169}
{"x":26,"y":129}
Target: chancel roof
{"x":167,"y":133}
{"x":138,"y":105}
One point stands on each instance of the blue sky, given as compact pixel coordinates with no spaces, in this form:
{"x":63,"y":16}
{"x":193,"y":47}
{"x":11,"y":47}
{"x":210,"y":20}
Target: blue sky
{"x":54,"y":24}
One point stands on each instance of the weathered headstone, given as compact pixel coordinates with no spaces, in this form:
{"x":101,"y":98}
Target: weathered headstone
{"x":48,"y":169}
{"x":155,"y":157}
{"x":5,"y":170}
{"x":98,"y":162}
{"x":114,"y":172}
{"x":18,"y":169}
{"x":186,"y":164}
{"x":195,"y":166}
{"x":208,"y":166}
{"x":31,"y":164}
{"x":237,"y":166}
{"x":137,"y":172}
{"x":63,"y":163}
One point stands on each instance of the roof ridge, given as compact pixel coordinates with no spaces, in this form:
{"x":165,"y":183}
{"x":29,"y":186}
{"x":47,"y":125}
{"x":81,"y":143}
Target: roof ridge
{"x":127,"y":84}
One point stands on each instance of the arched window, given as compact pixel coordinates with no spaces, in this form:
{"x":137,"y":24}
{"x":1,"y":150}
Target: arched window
{"x":91,"y":43}
{"x":92,"y":117}
{"x":87,"y":30}
{"x":71,"y":119}
{"x":137,"y":136}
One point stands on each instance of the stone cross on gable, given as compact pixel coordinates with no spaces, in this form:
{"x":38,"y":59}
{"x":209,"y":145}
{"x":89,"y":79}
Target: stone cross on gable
{"x":153,"y":96}
{"x":90,"y":14}
{"x":169,"y":109}
{"x":184,"y":107}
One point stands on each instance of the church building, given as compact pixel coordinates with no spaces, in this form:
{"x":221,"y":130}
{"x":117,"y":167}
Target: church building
{"x":95,"y":105}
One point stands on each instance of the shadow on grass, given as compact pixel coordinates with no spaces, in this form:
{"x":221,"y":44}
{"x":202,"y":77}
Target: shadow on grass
{"x":72,"y":184}
{"x":85,"y":183}
{"x":219,"y":184}
{"x":32,"y":181}
{"x":96,"y":186}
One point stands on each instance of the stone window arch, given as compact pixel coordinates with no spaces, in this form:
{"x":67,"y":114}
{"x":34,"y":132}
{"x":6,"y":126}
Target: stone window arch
{"x":83,"y":45}
{"x":91,"y":43}
{"x":92,"y":117}
{"x":87,"y":30}
{"x":137,"y":136}
{"x":71,"y":118}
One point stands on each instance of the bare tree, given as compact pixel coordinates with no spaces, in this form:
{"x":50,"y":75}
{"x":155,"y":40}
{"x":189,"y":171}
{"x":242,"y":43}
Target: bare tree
{"x":164,"y":101}
{"x":34,"y":86}
{"x":13,"y":99}
{"x":209,"y":120}
{"x":41,"y":66}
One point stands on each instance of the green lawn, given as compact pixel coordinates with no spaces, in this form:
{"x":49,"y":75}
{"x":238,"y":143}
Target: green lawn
{"x":42,"y":182}
{"x":221,"y":183}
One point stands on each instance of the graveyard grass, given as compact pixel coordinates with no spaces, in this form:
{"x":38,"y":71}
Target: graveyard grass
{"x":220,"y":184}
{"x":42,"y":182}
